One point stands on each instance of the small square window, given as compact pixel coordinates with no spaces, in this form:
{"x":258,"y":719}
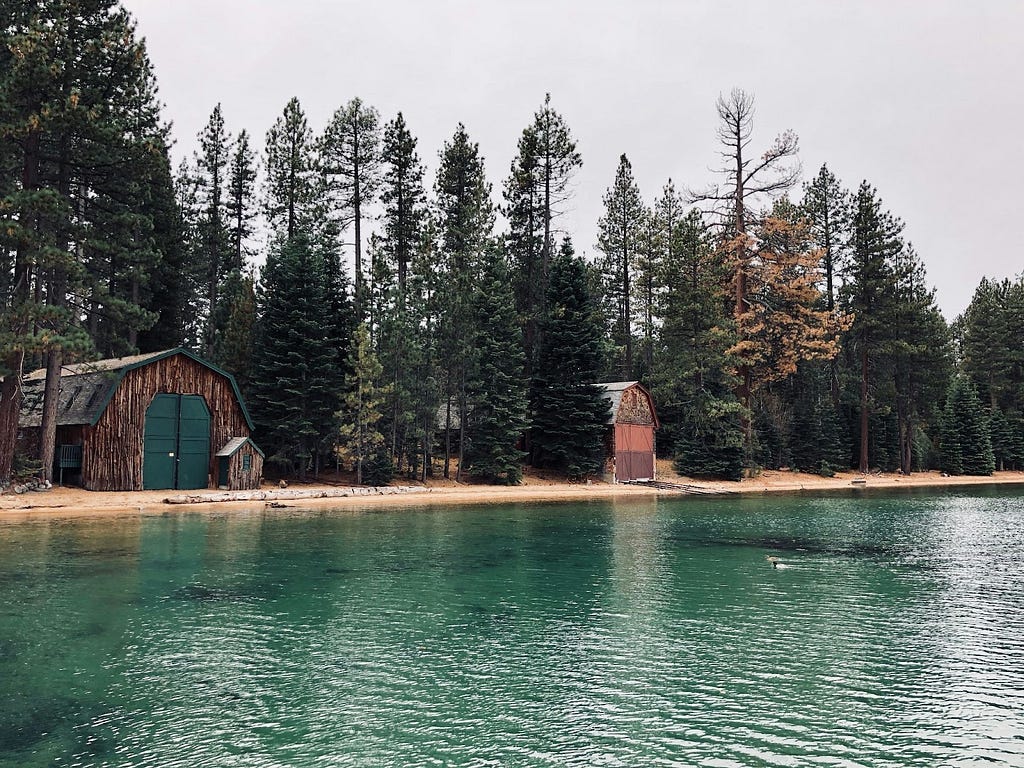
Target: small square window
{"x":246,"y":462}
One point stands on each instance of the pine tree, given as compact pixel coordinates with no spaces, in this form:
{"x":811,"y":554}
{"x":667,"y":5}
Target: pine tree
{"x":294,"y":394}
{"x":403,"y":197}
{"x":869,"y":295}
{"x":922,"y":359}
{"x":536,"y":192}
{"x":236,"y":320}
{"x":466,"y":223}
{"x":396,"y":296}
{"x":827,"y":207}
{"x":290,"y":173}
{"x":497,"y":387}
{"x":691,"y":381}
{"x":966,"y":439}
{"x":351,"y":159}
{"x":620,"y":232}
{"x":80,"y":132}
{"x":569,"y":415}
{"x":214,"y":238}
{"x":782,"y":323}
{"x":240,"y":205}
{"x":748,"y":177}
{"x":360,"y":439}
{"x":993,"y":358}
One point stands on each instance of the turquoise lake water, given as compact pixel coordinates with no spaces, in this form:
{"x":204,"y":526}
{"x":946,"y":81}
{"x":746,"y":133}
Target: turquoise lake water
{"x":632,"y":633}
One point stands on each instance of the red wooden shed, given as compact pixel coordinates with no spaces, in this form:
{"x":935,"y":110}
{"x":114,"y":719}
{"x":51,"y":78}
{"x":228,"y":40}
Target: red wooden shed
{"x":630,"y":440}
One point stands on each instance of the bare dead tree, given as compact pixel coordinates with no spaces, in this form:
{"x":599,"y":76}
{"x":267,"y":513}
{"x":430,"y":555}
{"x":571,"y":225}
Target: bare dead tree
{"x":746,"y":178}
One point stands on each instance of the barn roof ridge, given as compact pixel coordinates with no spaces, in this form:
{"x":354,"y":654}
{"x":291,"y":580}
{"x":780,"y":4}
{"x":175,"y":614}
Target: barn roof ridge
{"x":120,"y":366}
{"x":612,"y":392}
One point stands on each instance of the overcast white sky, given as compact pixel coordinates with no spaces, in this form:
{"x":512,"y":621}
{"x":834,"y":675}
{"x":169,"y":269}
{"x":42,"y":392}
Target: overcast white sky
{"x":923,"y":99}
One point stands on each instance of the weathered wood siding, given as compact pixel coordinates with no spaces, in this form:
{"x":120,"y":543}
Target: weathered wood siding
{"x":112,"y":451}
{"x":632,"y":437}
{"x":238,"y":478}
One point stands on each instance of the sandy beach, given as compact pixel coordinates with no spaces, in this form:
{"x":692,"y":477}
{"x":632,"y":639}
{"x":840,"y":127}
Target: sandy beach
{"x":78,"y":503}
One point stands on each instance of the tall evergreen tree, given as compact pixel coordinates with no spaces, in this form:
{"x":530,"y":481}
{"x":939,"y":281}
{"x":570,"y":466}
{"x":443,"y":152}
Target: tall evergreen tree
{"x":692,"y":381}
{"x":402,"y":282}
{"x":81,"y":134}
{"x":826,"y":205}
{"x":403,"y":197}
{"x":236,"y":320}
{"x":466,"y":223}
{"x":536,"y":193}
{"x":290,"y":172}
{"x":992,"y":353}
{"x":620,"y":233}
{"x":966,"y":440}
{"x":351,"y":154}
{"x":569,"y":414}
{"x":294,"y":394}
{"x":241,"y":204}
{"x":922,"y":361}
{"x":360,"y":437}
{"x":214,"y":239}
{"x":869,"y":295}
{"x":497,"y":388}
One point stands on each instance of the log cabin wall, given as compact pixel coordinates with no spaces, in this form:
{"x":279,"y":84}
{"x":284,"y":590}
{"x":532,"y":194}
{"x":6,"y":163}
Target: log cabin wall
{"x":112,"y":451}
{"x":238,"y":478}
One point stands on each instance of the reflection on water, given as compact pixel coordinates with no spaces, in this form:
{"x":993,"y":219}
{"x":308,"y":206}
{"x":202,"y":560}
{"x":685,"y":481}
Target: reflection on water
{"x":621,"y":633}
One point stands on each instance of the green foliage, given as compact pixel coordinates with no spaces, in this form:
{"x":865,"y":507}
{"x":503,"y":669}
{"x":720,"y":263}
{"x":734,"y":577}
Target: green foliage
{"x":826,"y":205}
{"x":993,"y":358}
{"x":236,"y":320}
{"x":378,"y":469}
{"x":291,"y":183}
{"x":85,"y":205}
{"x":294,"y":386}
{"x":350,"y":158}
{"x":359,"y":437}
{"x":620,"y":232}
{"x":692,"y":382}
{"x":497,"y":388}
{"x":966,"y":437}
{"x":568,"y":412}
{"x":536,"y":192}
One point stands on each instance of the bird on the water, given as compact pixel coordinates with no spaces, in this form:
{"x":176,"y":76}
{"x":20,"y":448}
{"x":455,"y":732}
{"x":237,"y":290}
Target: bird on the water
{"x":773,"y":560}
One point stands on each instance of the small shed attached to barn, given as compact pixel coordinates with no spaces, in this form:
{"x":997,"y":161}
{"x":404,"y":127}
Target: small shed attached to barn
{"x":629,"y":441}
{"x":155,"y":421}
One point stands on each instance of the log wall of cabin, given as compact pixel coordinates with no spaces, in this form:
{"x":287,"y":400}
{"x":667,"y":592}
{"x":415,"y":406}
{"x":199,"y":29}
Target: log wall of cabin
{"x":112,"y":451}
{"x":240,"y":480}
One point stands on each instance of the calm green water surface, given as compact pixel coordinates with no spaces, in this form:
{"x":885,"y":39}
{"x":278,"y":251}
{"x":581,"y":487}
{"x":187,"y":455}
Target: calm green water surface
{"x":604,"y":634}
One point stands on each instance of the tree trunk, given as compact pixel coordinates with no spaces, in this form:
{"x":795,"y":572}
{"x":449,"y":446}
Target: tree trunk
{"x":462,"y":425}
{"x":863,"y":465}
{"x":10,"y":390}
{"x":447,"y":435}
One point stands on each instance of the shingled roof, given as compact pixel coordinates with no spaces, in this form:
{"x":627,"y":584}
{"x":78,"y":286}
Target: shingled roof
{"x":613,"y":393}
{"x":86,"y":388}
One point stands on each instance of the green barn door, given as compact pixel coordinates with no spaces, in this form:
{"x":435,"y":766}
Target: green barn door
{"x":160,"y":443}
{"x":176,"y":451}
{"x":193,"y":443}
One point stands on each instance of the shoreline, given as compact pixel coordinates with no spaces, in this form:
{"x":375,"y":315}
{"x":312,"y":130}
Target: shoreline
{"x":76,"y":503}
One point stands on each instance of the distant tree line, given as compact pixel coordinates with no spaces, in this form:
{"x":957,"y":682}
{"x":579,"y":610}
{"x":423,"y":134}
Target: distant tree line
{"x":384,"y":321}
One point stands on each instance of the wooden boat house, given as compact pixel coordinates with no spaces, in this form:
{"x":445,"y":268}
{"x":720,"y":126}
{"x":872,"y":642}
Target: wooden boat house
{"x":629,"y":441}
{"x":163,"y":420}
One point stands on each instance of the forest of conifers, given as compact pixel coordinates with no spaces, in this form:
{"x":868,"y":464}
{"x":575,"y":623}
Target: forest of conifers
{"x":395,"y":323}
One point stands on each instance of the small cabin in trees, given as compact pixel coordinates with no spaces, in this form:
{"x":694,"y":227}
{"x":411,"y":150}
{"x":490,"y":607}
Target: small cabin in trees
{"x":629,"y":441}
{"x":165,"y":420}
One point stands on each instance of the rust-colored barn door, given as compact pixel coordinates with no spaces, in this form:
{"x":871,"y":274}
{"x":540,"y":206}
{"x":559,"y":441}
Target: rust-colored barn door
{"x":634,"y":452}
